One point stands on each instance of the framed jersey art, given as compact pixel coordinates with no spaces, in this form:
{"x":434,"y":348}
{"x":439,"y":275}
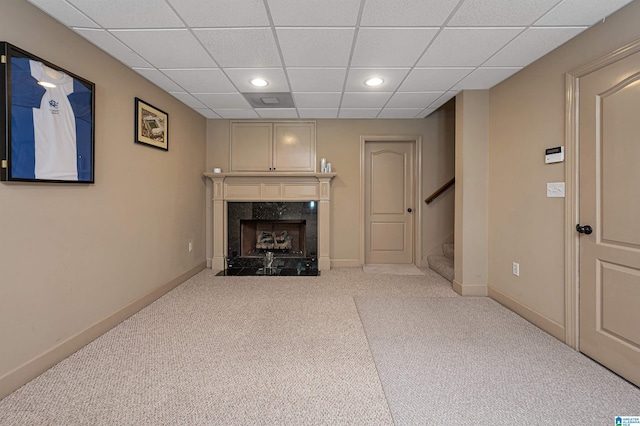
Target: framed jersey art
{"x":47,"y":121}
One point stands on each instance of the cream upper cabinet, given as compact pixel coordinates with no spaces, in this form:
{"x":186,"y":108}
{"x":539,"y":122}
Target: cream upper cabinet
{"x":251,"y":146}
{"x":273,"y":146}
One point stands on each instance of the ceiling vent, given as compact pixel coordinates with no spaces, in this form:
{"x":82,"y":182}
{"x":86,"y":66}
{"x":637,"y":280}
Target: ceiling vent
{"x":269,"y":100}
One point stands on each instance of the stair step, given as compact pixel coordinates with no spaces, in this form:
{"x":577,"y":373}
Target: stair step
{"x":447,"y":249}
{"x":442,"y":265}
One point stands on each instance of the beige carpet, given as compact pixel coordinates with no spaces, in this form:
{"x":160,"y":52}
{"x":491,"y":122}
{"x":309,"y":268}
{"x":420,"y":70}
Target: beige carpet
{"x":345,"y":348}
{"x":391,"y":269}
{"x":228,"y":351}
{"x":470,"y":361}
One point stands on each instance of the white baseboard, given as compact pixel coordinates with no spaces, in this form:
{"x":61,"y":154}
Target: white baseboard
{"x":553,"y":328}
{"x":38,"y":365}
{"x":346,"y":263}
{"x":469,"y":290}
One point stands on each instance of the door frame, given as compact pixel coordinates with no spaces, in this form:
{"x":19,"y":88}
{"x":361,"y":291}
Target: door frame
{"x":416,"y":141}
{"x":572,"y":187}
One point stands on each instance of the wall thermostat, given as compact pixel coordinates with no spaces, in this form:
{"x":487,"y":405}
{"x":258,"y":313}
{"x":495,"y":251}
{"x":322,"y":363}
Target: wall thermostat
{"x":554,"y":155}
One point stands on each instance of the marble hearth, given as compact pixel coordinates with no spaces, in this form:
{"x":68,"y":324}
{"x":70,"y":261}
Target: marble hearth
{"x":271,"y":188}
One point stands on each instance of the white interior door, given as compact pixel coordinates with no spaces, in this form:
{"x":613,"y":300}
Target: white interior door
{"x":389,"y":223}
{"x":609,"y":132}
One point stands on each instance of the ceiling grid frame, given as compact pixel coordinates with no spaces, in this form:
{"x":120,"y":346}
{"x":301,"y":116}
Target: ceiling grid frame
{"x":115,"y":27}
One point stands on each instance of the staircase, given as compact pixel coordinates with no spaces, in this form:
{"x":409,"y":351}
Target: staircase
{"x":443,"y":265}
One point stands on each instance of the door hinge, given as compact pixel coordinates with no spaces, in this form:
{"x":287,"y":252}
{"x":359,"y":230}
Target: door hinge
{"x":3,"y":59}
{"x":4,"y":164}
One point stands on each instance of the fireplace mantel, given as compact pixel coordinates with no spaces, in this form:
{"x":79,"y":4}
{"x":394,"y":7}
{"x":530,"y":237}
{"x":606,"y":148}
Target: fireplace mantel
{"x":264,"y":187}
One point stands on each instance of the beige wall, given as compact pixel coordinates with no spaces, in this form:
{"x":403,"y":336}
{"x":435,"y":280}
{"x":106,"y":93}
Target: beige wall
{"x":527,"y":115}
{"x":471,"y":216}
{"x":72,"y":255}
{"x":339,"y":142}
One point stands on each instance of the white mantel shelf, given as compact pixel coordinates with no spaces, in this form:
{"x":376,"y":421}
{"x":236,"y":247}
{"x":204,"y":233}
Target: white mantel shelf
{"x":265,"y":187}
{"x":271,"y":174}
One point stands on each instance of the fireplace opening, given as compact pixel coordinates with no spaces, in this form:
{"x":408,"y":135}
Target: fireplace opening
{"x":282,"y":237}
{"x":272,"y":238}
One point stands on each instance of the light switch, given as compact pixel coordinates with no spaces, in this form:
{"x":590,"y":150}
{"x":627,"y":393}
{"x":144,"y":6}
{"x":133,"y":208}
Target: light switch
{"x":555,"y":189}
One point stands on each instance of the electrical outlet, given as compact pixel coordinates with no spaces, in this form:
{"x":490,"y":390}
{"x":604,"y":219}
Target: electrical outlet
{"x":516,"y":269}
{"x":190,"y":246}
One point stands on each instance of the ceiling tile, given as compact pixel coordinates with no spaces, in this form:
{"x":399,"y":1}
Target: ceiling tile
{"x":485,"y":78}
{"x":317,"y":79}
{"x":207,"y":113}
{"x":65,"y":13}
{"x":223,"y":100}
{"x":201,"y":80}
{"x":159,"y":79}
{"x":392,"y":78}
{"x":580,"y":12}
{"x":365,"y":100}
{"x":325,"y":13}
{"x":241,"y":78}
{"x":531,"y":45}
{"x":400,"y":112}
{"x":222,"y":13}
{"x":139,"y":13}
{"x":236,"y":113}
{"x":188,"y":99}
{"x":321,"y":47}
{"x":433,"y":79}
{"x":317,"y":100}
{"x":478,"y":13}
{"x":318,"y":112}
{"x":359,"y":112}
{"x":391,"y":47}
{"x":241,"y":47}
{"x":459,"y":47}
{"x":277,"y":112}
{"x":113,"y":47}
{"x":412,"y":100}
{"x":412,"y":13}
{"x":166,"y":48}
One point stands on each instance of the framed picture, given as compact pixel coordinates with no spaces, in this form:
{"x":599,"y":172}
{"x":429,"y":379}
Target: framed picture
{"x":152,"y":125}
{"x":47,"y":121}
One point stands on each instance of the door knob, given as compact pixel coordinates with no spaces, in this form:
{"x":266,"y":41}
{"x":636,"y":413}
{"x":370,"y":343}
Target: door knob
{"x":586,"y":229}
{"x":409,"y":210}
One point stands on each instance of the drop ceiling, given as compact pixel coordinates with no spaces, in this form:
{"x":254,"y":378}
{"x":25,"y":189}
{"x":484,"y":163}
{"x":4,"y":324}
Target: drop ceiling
{"x":206,"y":52}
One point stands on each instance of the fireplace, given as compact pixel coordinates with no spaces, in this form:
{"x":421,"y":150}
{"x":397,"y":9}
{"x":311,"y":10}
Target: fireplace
{"x":288,"y":231}
{"x":267,"y":201}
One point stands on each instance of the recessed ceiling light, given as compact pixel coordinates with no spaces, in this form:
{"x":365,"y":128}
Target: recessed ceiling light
{"x":259,"y":82}
{"x":373,"y":82}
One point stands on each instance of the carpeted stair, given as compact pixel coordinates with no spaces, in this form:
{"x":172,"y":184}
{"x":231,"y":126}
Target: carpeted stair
{"x":443,"y":264}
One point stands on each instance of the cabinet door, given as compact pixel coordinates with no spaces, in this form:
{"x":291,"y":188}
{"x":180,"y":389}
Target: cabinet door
{"x":294,"y":147}
{"x":251,"y":147}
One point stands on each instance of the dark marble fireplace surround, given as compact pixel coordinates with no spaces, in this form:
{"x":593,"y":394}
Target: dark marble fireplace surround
{"x":300,"y":260}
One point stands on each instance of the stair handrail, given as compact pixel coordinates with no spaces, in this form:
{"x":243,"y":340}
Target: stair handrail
{"x":440,"y":190}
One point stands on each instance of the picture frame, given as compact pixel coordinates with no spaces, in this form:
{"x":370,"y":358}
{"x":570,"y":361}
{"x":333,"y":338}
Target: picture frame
{"x":152,"y":126}
{"x":47,"y":117}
